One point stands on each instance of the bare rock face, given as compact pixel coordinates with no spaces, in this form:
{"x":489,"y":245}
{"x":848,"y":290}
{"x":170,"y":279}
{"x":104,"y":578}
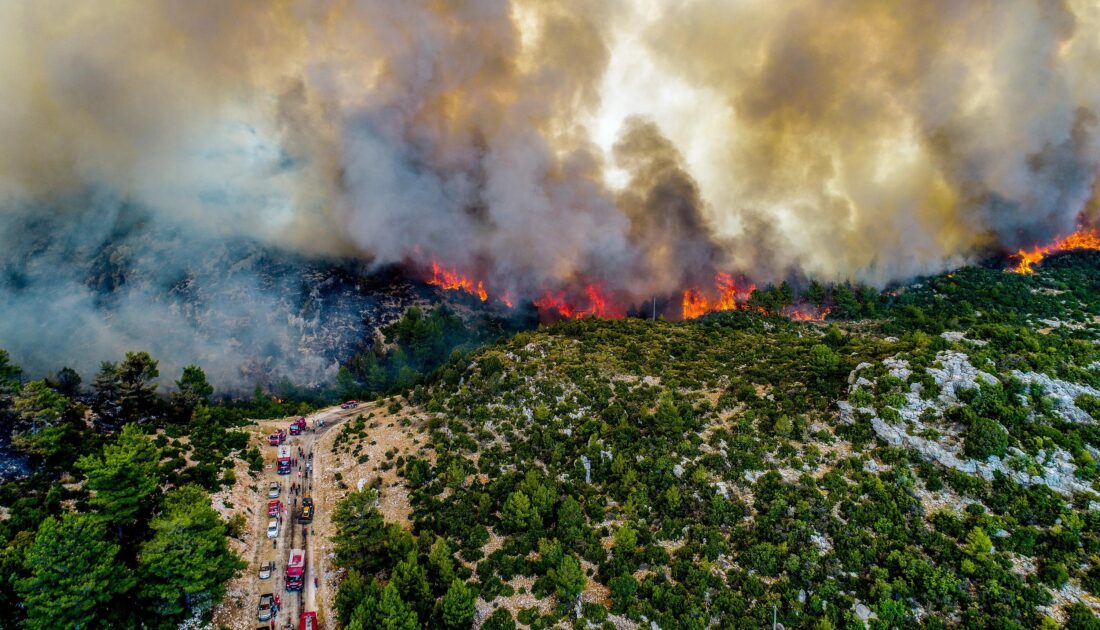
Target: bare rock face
{"x":954,"y":373}
{"x":1062,"y":393}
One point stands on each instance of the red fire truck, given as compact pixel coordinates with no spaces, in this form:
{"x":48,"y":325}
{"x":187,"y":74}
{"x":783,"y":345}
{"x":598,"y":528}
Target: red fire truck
{"x":283,"y":460}
{"x":277,"y":438}
{"x":274,"y":507}
{"x":309,"y":621}
{"x":297,"y":426}
{"x":296,"y":570}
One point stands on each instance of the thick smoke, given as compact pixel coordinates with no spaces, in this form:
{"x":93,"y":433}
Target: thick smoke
{"x":538,"y":144}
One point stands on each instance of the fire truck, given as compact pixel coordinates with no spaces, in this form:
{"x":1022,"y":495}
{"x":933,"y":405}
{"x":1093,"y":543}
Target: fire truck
{"x":283,"y":460}
{"x":296,"y":570}
{"x":277,"y":438}
{"x":297,"y":426}
{"x":308,"y":621}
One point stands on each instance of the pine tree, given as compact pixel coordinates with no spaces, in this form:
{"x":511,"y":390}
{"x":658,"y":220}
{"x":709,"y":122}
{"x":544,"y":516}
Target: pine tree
{"x":361,"y":540}
{"x":137,"y":389}
{"x":73,"y":574}
{"x":815,"y":293}
{"x":441,"y":565}
{"x":356,"y":591}
{"x":123,"y":477}
{"x":394,"y":612}
{"x":188,"y":554}
{"x":569,"y":580}
{"x":458,"y":606}
{"x":40,"y":426}
{"x":667,"y":418}
{"x":501,"y":619}
{"x":518,"y":515}
{"x":412,"y":583}
{"x":192,"y":390}
{"x":570,"y":522}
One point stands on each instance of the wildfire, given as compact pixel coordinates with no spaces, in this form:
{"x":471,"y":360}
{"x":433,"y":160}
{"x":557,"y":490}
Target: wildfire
{"x":1083,"y":238}
{"x":807,"y":313}
{"x":730,"y":297}
{"x":451,"y":280}
{"x":596,"y":304}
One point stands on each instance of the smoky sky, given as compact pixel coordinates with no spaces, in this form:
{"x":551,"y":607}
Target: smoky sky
{"x":540,"y":144}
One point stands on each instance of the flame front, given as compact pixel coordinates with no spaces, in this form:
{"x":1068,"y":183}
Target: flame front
{"x":451,"y":280}
{"x":730,"y":297}
{"x":1083,"y":238}
{"x":595,"y":304}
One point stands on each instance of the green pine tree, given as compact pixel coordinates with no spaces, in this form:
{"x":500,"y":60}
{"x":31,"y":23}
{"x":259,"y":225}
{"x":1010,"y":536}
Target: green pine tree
{"x":518,"y":515}
{"x":570,"y":522}
{"x":188,"y":554}
{"x":458,"y":606}
{"x":569,"y":580}
{"x":123,"y":477}
{"x":74,"y":574}
{"x":412,"y":583}
{"x":394,"y":612}
{"x":41,"y":426}
{"x":441,"y":565}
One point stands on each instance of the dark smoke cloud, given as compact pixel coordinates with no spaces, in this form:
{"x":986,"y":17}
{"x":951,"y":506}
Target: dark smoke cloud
{"x":832,"y":139}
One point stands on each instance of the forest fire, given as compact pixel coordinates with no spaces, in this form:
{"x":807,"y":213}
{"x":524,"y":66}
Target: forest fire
{"x":727,"y":294}
{"x":730,"y":297}
{"x":596,"y":304}
{"x":1083,"y":238}
{"x":807,"y":313}
{"x":451,"y":280}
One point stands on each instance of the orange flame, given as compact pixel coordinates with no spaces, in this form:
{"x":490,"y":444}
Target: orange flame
{"x":596,"y":305}
{"x":730,"y":297}
{"x":807,"y":313}
{"x":451,"y":280}
{"x":1083,"y":238}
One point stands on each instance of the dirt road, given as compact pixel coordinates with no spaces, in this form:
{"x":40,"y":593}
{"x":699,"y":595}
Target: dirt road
{"x":239,"y":609}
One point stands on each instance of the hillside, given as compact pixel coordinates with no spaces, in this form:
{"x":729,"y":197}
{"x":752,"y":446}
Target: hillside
{"x":935,"y":465}
{"x":932,"y":459}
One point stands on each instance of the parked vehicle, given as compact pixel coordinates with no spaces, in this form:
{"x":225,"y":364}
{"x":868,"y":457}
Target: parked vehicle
{"x":277,"y":438}
{"x":274,"y":489}
{"x":308,"y":621}
{"x":265,"y":611}
{"x":267,"y":569}
{"x":305,"y":515}
{"x":274,"y":507}
{"x":351,"y":404}
{"x":296,"y":570}
{"x":298,"y":426}
{"x":283,"y":460}
{"x":273,"y":528}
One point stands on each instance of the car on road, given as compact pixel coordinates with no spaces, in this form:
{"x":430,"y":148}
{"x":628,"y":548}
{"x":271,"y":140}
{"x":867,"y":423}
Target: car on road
{"x":351,"y":404}
{"x":265,"y":611}
{"x":267,"y":569}
{"x":274,"y":489}
{"x":273,"y":528}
